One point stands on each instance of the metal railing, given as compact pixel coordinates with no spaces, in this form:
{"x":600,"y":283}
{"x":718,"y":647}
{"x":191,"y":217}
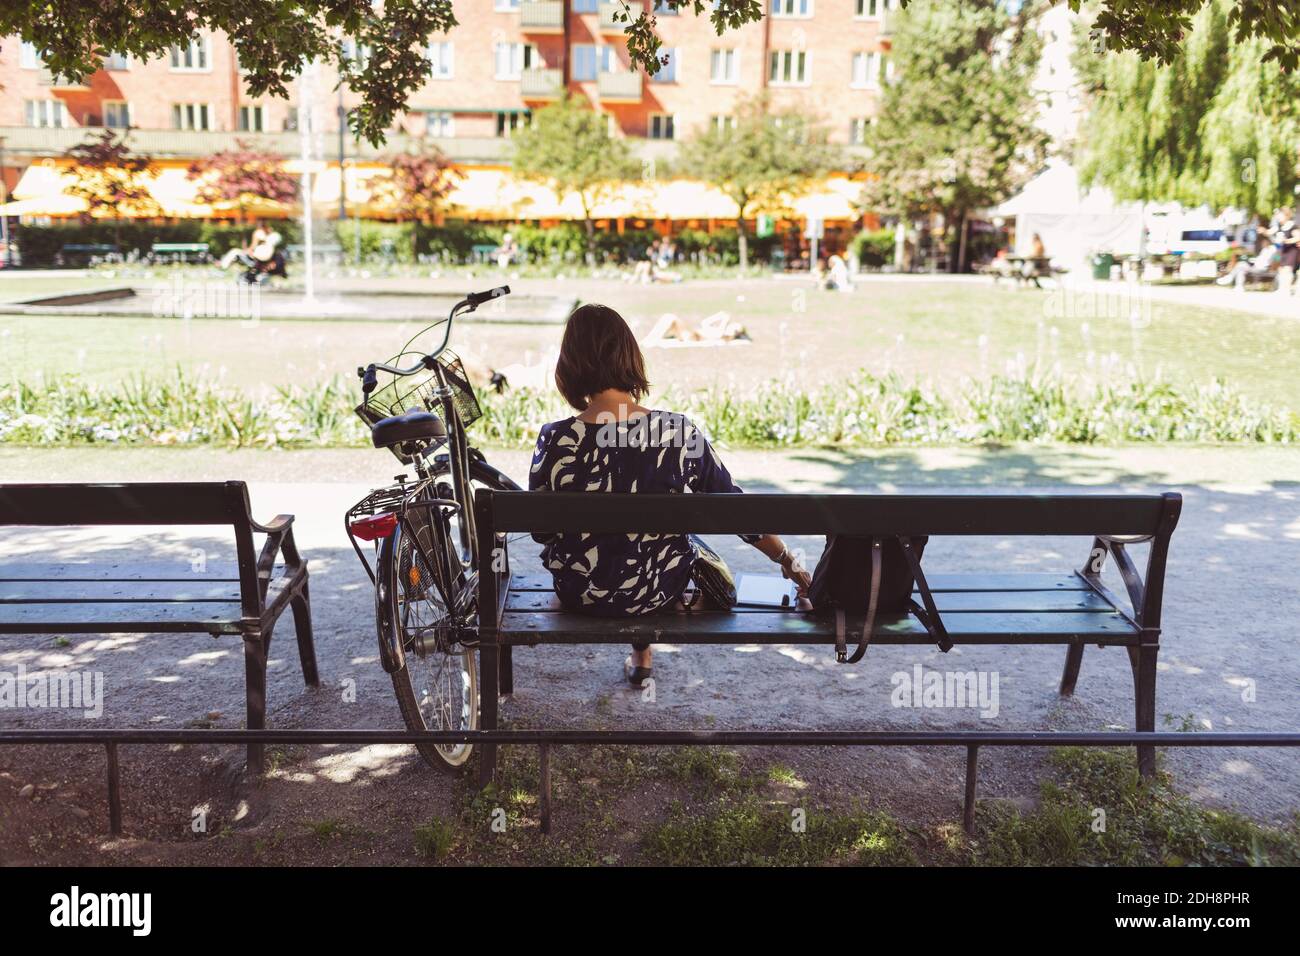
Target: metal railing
{"x":542,"y":15}
{"x":619,"y":86}
{"x":545,"y":740}
{"x":610,"y":12}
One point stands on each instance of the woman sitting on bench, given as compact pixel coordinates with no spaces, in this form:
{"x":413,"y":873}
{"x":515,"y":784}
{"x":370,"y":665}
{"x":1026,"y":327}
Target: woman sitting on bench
{"x":616,"y":444}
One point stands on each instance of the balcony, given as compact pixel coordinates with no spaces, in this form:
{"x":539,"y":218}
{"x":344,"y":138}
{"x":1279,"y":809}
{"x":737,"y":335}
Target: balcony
{"x":541,"y":84}
{"x":619,"y":87}
{"x":886,"y":29}
{"x":542,"y":16}
{"x":611,"y":10}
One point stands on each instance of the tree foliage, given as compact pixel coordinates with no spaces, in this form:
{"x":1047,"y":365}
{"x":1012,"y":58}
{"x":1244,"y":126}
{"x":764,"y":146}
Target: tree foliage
{"x":957,"y":128}
{"x":767,"y":157}
{"x":111,"y":178}
{"x":421,"y":179}
{"x":568,"y":147}
{"x":1217,"y":124}
{"x":242,"y":176}
{"x":274,"y":37}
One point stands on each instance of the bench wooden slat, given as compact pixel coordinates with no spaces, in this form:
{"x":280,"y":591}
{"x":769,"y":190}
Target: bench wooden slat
{"x":1028,"y":581}
{"x":790,"y":627}
{"x":178,"y":568}
{"x":974,"y":514}
{"x":110,"y":618}
{"x":65,"y":591}
{"x":157,"y":502}
{"x":969,"y":601}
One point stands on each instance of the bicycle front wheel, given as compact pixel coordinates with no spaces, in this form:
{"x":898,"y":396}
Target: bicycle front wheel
{"x":437,"y":687}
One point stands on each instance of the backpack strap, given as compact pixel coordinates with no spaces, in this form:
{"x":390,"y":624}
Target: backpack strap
{"x":873,"y":602}
{"x":929,"y":614}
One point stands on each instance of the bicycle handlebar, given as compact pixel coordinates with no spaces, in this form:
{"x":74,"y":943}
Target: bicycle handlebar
{"x":368,"y":375}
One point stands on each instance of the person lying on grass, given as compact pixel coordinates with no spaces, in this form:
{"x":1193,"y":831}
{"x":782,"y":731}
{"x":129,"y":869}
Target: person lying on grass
{"x":614,"y":443}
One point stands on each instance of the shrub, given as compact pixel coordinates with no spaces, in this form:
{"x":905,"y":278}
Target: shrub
{"x":873,"y":249}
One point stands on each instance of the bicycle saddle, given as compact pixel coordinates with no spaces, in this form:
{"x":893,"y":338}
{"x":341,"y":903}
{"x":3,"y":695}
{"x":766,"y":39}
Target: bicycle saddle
{"x":409,"y":426}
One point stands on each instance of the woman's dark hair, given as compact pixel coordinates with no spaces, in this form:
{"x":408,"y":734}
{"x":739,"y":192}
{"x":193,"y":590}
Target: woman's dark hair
{"x":598,"y":352}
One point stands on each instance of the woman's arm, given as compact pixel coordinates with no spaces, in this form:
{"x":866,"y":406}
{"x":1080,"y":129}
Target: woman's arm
{"x":777,"y":550}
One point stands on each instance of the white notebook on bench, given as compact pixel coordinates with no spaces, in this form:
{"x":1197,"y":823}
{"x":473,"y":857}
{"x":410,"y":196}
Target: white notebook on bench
{"x":764,"y":590}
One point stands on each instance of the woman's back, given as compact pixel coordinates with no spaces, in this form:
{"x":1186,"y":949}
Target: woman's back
{"x":656,"y":452}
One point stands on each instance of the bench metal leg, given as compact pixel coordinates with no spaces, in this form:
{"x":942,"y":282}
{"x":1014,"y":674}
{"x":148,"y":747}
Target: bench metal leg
{"x":301,"y":606}
{"x":544,"y":786}
{"x":1073,"y":658}
{"x":255,"y":684}
{"x":114,"y":791}
{"x":489,"y":688}
{"x":972,"y":772}
{"x":1143,"y":661}
{"x":506,"y":677}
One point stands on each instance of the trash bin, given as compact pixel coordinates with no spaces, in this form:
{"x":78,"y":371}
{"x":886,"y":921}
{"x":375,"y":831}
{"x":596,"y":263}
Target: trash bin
{"x":1101,"y":265}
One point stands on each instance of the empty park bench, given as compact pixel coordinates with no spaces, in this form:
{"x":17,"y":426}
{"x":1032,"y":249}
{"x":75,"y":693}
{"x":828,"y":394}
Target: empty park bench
{"x":80,"y":253}
{"x":1071,"y":608}
{"x":180,"y":251}
{"x":37,"y":597}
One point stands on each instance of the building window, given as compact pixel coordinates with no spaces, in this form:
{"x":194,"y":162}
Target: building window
{"x":858,"y":131}
{"x":44,"y":112}
{"x":191,"y":58}
{"x":510,"y":120}
{"x":871,"y":9}
{"x":661,"y":126}
{"x":792,"y":8}
{"x":116,"y":61}
{"x":513,"y":58}
{"x":724,"y":66}
{"x":440,"y":123}
{"x":358,"y":54}
{"x":291,"y":119}
{"x":790,"y":68}
{"x":584,"y":61}
{"x":29,"y":58}
{"x":441,"y":60}
{"x":190,"y":116}
{"x":250,"y":119}
{"x":117,"y":114}
{"x":505,"y":5}
{"x":586,"y":6}
{"x":866,"y":70}
{"x":663,"y":10}
{"x":667,"y":70}
{"x":722,"y":123}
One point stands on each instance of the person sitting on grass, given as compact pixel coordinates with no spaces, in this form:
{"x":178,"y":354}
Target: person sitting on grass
{"x":616,"y":444}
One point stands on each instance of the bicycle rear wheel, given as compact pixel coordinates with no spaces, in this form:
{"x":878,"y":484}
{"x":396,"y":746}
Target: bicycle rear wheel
{"x":437,"y":687}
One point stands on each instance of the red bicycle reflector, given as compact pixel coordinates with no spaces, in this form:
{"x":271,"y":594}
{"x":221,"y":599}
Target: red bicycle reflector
{"x":374,"y":527}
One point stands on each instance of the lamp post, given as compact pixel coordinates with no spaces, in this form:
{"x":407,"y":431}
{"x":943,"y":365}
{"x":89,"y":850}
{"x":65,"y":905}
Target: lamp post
{"x":4,"y":219}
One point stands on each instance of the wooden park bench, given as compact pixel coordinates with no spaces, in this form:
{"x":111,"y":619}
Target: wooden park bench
{"x":109,"y":598}
{"x":1070,"y":608}
{"x":181,"y":251}
{"x":80,"y":253}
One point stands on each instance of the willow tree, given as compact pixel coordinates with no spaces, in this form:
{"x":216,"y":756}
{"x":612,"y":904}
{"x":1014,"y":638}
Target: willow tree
{"x":1216,"y":124}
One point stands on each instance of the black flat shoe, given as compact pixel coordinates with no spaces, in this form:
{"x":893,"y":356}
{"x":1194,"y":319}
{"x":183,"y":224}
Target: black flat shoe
{"x":636,"y":676}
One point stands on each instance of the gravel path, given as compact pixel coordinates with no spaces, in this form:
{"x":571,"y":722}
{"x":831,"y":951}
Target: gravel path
{"x":1229,"y":657}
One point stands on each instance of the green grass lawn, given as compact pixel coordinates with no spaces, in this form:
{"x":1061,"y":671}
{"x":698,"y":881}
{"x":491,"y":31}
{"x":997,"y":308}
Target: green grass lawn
{"x":937,"y":331}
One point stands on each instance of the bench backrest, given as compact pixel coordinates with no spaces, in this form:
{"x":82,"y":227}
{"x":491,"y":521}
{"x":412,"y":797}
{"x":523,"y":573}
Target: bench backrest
{"x":143,"y":503}
{"x":549,"y":512}
{"x":150,"y":502}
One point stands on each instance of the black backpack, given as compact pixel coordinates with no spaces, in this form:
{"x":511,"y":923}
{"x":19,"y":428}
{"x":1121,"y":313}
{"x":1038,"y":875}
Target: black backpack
{"x":873,"y":575}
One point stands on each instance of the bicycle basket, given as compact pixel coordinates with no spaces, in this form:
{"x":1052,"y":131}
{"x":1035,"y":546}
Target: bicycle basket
{"x":420,"y":393}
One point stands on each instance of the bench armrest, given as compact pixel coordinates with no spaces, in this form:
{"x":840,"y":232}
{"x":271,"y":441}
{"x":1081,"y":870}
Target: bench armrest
{"x":276,"y":525}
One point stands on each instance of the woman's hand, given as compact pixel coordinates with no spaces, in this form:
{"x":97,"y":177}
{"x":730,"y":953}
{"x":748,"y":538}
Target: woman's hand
{"x":792,"y":570}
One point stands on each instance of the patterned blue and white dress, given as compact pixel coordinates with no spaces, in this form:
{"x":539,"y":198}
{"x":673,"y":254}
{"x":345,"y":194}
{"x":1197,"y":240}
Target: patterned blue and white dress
{"x":619,"y":575}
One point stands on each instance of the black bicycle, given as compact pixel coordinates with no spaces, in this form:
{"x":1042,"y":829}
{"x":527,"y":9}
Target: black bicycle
{"x":422,"y":528}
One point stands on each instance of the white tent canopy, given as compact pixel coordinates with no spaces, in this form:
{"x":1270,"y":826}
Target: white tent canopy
{"x":1073,"y":224}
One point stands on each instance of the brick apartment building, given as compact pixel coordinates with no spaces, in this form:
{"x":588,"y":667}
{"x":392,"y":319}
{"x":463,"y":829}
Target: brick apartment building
{"x":505,"y":59}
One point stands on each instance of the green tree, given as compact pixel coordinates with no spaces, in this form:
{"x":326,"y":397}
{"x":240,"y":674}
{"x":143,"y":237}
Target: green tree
{"x":274,"y":37}
{"x":242,"y":176}
{"x":568,"y":148}
{"x":1217,"y":124}
{"x":957,"y":128}
{"x":764,"y":158}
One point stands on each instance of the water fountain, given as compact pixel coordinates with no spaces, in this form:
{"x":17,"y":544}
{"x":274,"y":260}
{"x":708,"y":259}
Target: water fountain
{"x":308,"y":130}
